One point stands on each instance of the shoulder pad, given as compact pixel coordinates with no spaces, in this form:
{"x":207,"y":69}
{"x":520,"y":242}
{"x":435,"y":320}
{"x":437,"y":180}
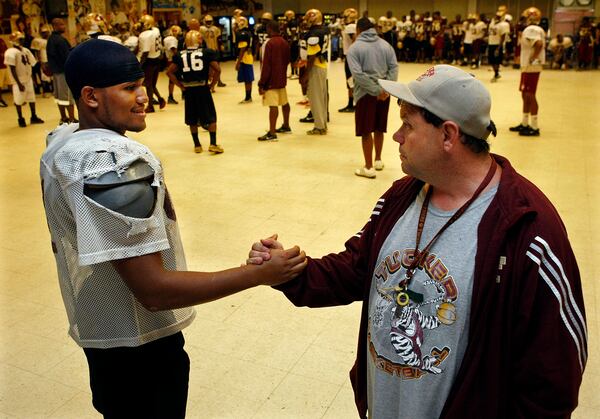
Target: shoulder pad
{"x":137,"y":171}
{"x":130,"y":193}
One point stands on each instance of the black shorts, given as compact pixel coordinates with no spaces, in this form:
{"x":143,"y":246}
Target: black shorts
{"x":494,"y":54}
{"x":199,"y":106}
{"x":347,"y":72}
{"x":148,"y":381}
{"x":371,"y":115}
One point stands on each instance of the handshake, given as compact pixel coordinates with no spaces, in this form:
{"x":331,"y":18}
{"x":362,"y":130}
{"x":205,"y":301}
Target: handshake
{"x":278,"y":265}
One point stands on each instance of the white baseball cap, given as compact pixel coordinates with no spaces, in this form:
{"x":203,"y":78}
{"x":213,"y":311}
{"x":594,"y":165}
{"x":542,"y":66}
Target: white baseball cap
{"x":452,"y":95}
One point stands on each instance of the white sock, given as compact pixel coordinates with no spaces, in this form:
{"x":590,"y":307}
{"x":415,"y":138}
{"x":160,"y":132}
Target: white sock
{"x":534,"y":121}
{"x":525,"y":121}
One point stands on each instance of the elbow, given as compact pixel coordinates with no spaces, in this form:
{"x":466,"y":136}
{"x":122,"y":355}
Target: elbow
{"x":152,"y":302}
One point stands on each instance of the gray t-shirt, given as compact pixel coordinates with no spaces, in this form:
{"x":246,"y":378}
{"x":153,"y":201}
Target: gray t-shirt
{"x":415,"y":351}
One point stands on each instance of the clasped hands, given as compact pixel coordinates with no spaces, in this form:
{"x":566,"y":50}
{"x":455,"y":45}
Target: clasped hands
{"x":269,"y":251}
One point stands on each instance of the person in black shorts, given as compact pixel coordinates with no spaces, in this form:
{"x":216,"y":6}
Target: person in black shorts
{"x":189,"y":71}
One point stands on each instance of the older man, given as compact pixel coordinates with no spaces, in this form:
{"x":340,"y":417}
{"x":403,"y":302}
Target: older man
{"x":472,"y":301}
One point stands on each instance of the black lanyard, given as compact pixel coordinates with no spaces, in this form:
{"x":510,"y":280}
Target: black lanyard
{"x":402,"y":298}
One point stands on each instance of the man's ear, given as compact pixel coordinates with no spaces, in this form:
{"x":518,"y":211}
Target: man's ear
{"x":451,"y":132}
{"x":88,"y":97}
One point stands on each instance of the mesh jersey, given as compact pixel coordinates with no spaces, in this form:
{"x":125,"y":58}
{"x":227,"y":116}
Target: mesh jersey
{"x":170,"y":42}
{"x":193,"y":65}
{"x":244,"y":40}
{"x":150,"y":41}
{"x":86,"y":237}
{"x":211,"y":35}
{"x":316,"y":42}
{"x":261,"y":34}
{"x":23,"y":61}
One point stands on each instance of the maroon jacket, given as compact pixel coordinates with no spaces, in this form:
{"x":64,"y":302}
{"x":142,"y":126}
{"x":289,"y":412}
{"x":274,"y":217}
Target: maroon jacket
{"x":527,"y":343}
{"x":273,"y":74}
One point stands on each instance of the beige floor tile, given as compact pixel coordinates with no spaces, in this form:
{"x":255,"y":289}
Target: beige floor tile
{"x":255,"y":354}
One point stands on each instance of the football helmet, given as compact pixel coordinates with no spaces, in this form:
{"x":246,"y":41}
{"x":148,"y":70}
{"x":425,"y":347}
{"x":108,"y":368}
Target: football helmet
{"x":175,"y":31}
{"x":290,"y":15}
{"x":193,"y":39}
{"x":194,"y":25}
{"x":147,"y":22}
{"x":383,"y":24}
{"x":242,"y":22}
{"x":313,"y":17}
{"x":266,"y":17}
{"x":16,"y":38}
{"x":533,"y":15}
{"x":237,"y":13}
{"x":46,"y":29}
{"x":95,"y":23}
{"x":208,"y":20}
{"x":350,"y":15}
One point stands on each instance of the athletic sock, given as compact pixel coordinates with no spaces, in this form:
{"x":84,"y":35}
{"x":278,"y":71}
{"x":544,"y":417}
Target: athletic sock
{"x":525,"y":121}
{"x":196,"y":140}
{"x":213,"y":138}
{"x":350,"y":102}
{"x":248,"y":95}
{"x":534,"y":122}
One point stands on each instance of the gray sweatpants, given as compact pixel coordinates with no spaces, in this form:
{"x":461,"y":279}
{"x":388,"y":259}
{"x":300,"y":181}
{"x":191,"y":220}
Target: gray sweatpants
{"x":317,"y":94}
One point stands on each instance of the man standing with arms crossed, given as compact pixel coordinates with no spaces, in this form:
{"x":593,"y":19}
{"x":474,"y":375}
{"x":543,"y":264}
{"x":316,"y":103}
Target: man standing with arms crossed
{"x":532,"y":59}
{"x":116,"y":242}
{"x":371,"y":58}
{"x":58,"y":50}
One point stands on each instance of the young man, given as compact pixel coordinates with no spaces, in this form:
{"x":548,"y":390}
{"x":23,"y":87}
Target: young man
{"x":316,"y":42}
{"x":116,"y":242}
{"x":532,"y":60}
{"x":498,"y":30}
{"x":472,"y":300}
{"x":371,"y":58}
{"x":190,"y":72}
{"x":58,"y":49}
{"x":170,"y":44}
{"x":212,"y":37}
{"x":149,"y":52}
{"x":20,"y":62}
{"x":348,"y":36}
{"x":244,"y":64}
{"x":273,"y":80}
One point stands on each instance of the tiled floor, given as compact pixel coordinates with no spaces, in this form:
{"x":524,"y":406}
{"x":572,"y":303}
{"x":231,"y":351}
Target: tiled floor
{"x":253,"y":354}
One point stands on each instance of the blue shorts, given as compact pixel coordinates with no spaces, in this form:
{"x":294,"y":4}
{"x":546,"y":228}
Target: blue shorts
{"x":245,"y":73}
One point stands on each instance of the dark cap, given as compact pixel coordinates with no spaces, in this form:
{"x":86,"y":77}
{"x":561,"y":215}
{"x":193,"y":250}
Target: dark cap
{"x":100,"y":63}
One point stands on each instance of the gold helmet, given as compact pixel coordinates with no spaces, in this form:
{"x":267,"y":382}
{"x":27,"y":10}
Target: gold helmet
{"x":502,"y":10}
{"x":194,"y":25}
{"x":46,"y":29}
{"x":242,"y":22}
{"x":136,"y":29}
{"x":290,"y":14}
{"x":266,"y":16}
{"x":313,"y":17}
{"x":175,"y":30}
{"x":533,"y":15}
{"x":95,"y":23}
{"x":16,"y":38}
{"x":208,"y":20}
{"x":147,"y":22}
{"x":237,"y":13}
{"x":472,"y":16}
{"x":193,"y":39}
{"x":383,"y":24}
{"x":350,"y":15}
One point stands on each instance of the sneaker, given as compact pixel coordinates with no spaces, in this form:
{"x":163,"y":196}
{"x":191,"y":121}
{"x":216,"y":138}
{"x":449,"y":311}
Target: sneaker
{"x":154,"y":101}
{"x":198,"y":149}
{"x":347,"y":109}
{"x":215,"y":148}
{"x":303,"y":102}
{"x":308,"y":118}
{"x":283,"y":130}
{"x":245,"y":101}
{"x":22,"y":122}
{"x":172,"y":101}
{"x":518,"y":128}
{"x":378,"y":165}
{"x":161,"y":103}
{"x":267,"y":137}
{"x":293,"y":77}
{"x":221,"y":84}
{"x":149,"y":109}
{"x":3,"y":104}
{"x":364,"y":172}
{"x":317,"y":131}
{"x":530,"y":132}
{"x":36,"y":120}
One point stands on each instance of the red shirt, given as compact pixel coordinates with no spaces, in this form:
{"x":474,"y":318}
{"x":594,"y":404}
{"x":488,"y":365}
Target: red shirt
{"x":274,"y":64}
